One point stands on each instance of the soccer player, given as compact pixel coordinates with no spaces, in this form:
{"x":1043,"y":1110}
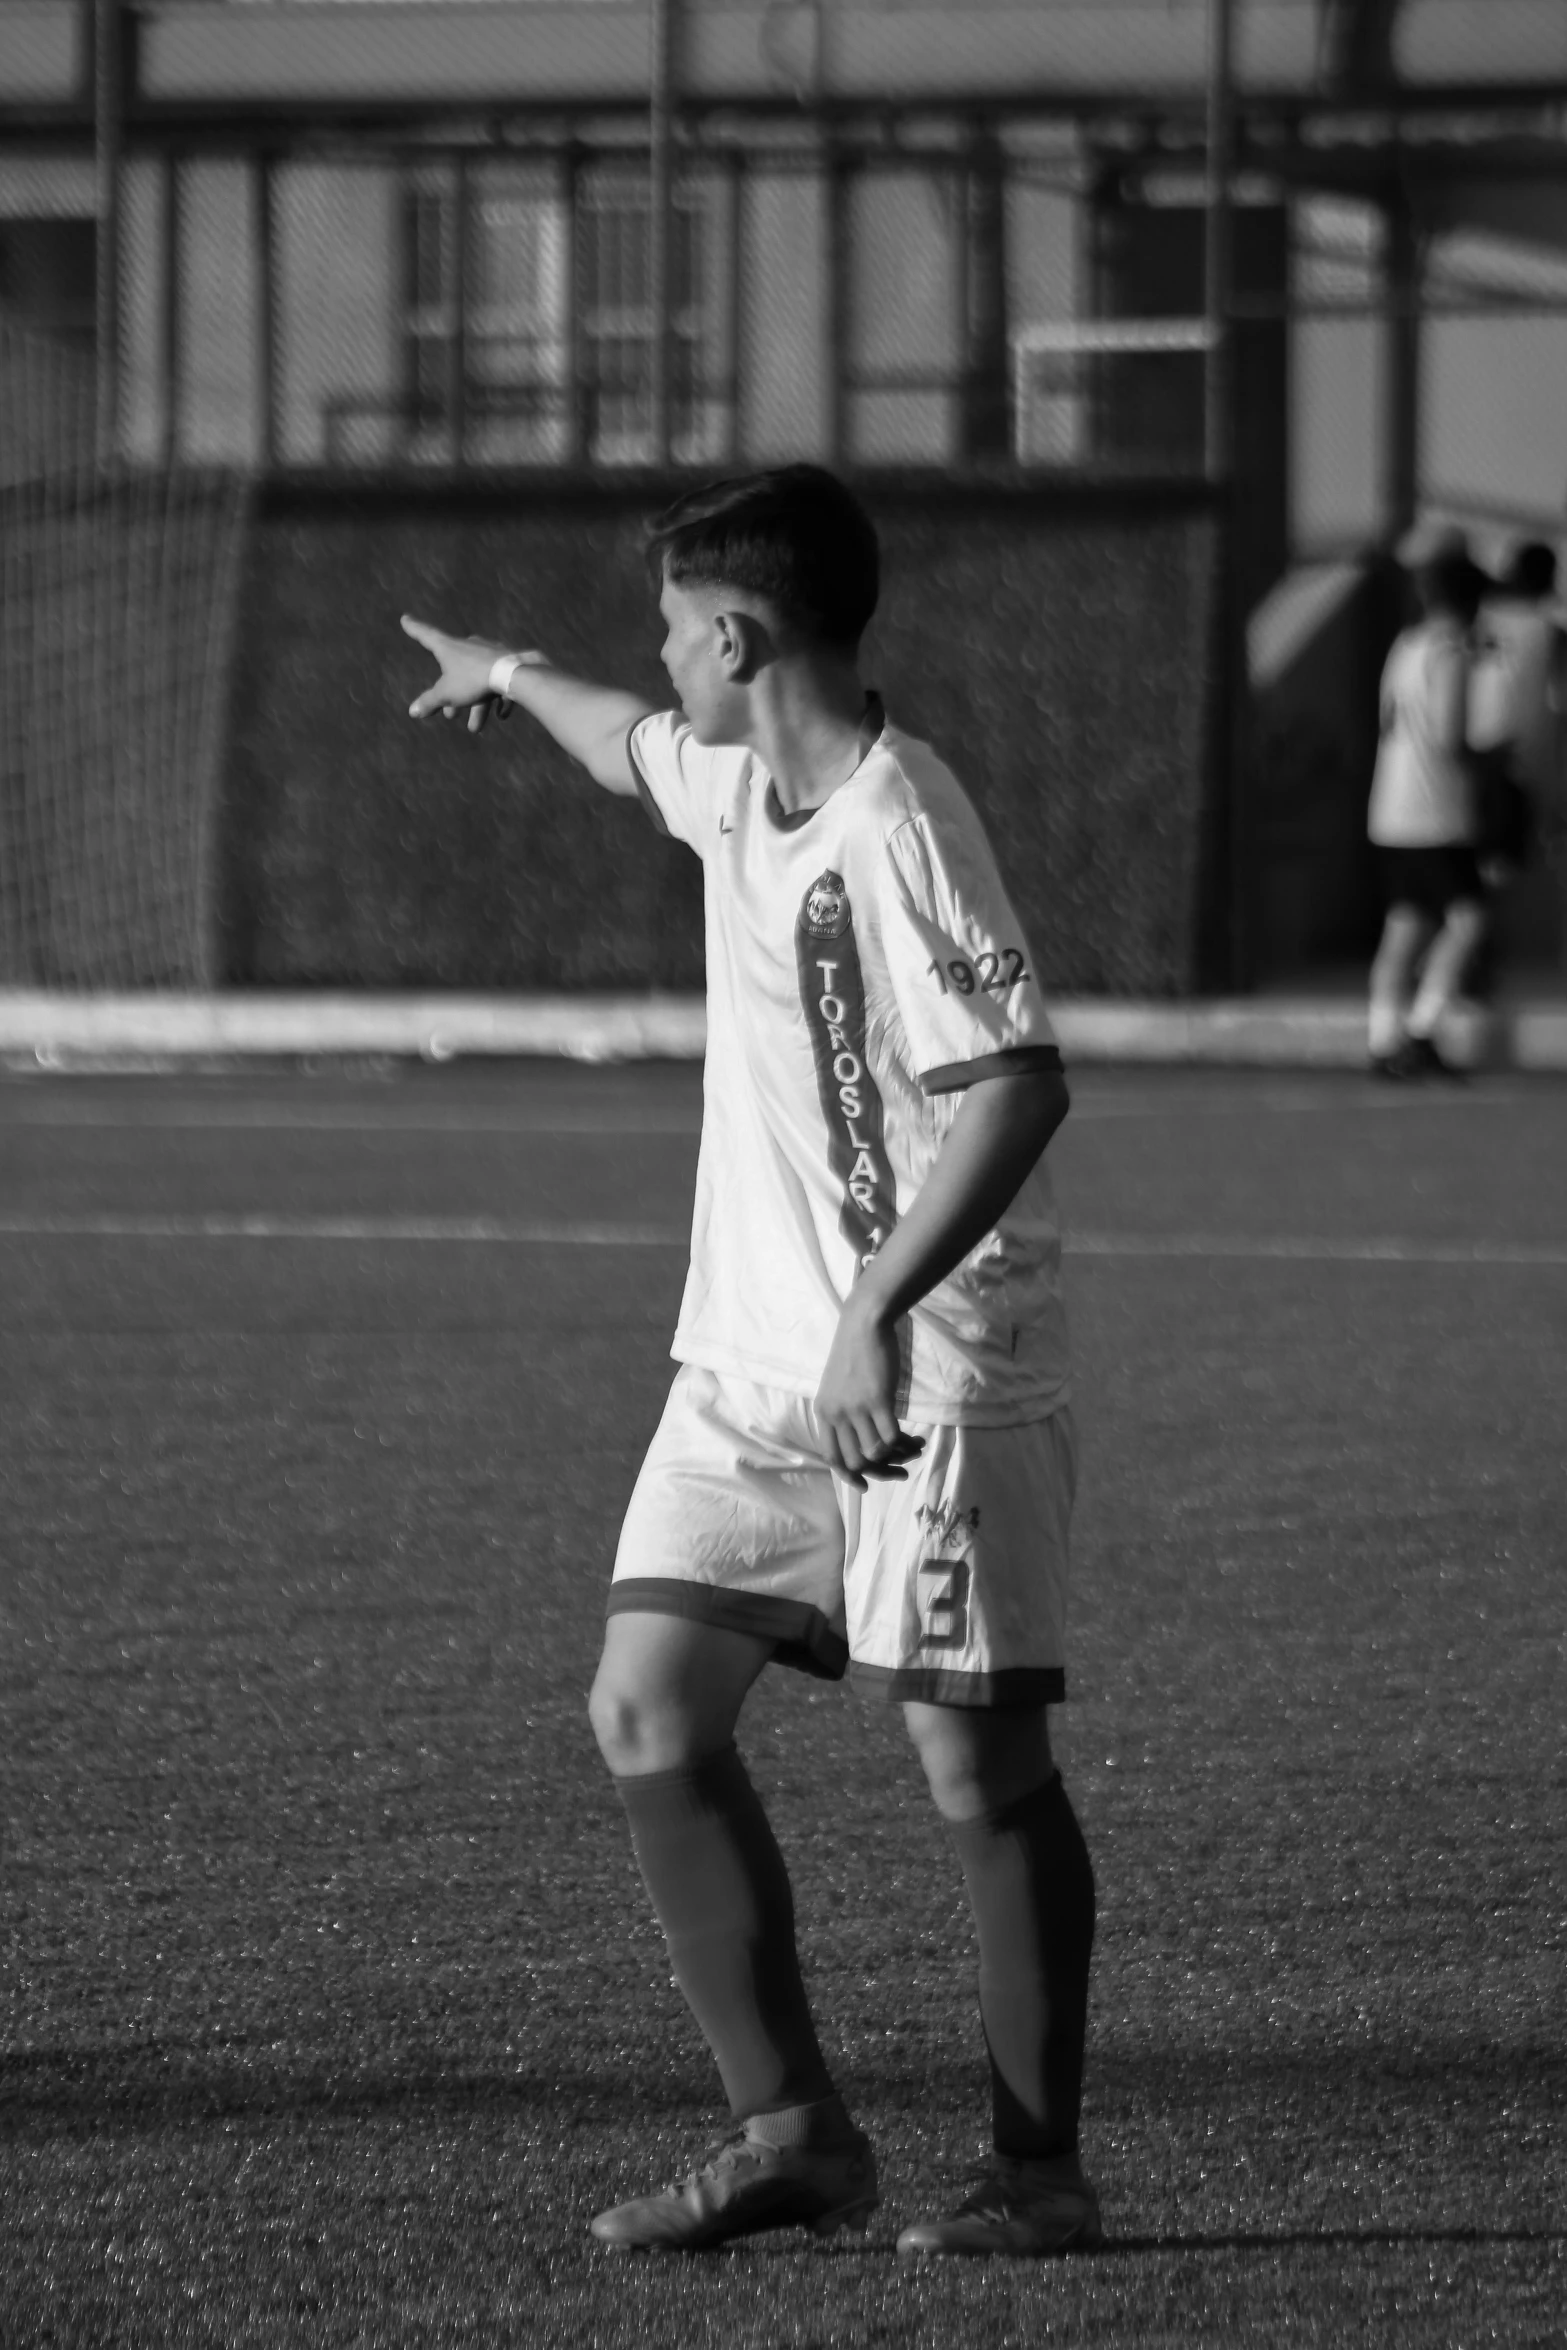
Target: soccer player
{"x":1515,"y":707}
{"x":867,"y":1456}
{"x":1423,"y":820}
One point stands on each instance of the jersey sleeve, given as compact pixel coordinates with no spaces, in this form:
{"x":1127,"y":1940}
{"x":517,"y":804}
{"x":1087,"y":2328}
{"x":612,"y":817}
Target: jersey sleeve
{"x":962,"y":972}
{"x":676,"y":776}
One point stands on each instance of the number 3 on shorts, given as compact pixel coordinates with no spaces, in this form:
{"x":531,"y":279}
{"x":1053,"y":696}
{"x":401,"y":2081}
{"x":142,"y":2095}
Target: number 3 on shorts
{"x":946,"y":1606}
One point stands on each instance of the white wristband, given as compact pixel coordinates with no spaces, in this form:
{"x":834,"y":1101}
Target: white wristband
{"x":503,"y":669}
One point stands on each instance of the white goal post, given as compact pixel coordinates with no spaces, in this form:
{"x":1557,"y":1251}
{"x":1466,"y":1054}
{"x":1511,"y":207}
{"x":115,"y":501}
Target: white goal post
{"x":1050,"y":370}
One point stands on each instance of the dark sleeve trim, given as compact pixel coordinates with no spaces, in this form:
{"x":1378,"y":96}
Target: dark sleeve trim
{"x":650,"y":807}
{"x":1017,"y":1061}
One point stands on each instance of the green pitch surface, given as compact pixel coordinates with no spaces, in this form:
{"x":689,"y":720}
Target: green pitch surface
{"x":331,"y":2005}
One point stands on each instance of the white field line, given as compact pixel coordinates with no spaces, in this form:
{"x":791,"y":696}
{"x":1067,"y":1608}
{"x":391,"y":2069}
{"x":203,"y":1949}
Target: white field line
{"x":182,"y":1117}
{"x":443,"y":1230}
{"x":1314,"y":1248}
{"x":287,"y":1124}
{"x":1087,"y":1108}
{"x":494,"y":1231}
{"x":1338,"y":1102}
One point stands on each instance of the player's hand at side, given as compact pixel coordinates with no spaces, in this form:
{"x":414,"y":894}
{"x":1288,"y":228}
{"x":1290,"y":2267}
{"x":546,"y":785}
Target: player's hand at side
{"x":464,"y":682}
{"x":857,"y":1401}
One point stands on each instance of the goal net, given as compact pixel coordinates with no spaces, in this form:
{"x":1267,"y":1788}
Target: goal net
{"x":1120,"y":395}
{"x":117,"y":595}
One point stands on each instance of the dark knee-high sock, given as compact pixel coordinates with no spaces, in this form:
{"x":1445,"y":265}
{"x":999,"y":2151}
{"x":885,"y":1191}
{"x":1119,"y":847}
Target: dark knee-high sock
{"x":1032,"y":1891}
{"x":721,"y":1890}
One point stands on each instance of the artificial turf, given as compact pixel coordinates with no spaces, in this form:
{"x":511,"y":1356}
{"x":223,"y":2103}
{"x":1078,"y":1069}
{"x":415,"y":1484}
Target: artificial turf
{"x":331,"y":2004}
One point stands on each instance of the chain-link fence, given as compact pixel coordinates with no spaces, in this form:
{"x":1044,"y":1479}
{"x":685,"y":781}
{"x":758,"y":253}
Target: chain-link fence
{"x":933,"y":291}
{"x":368,"y":305}
{"x":979,"y":300}
{"x":899,"y":284}
{"x":117,"y":595}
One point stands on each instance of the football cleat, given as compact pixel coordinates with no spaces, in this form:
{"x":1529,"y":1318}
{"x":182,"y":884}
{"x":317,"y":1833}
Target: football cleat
{"x":1431,"y":1060}
{"x":1402,"y":1064}
{"x":1031,"y":2209}
{"x":744,"y":2186}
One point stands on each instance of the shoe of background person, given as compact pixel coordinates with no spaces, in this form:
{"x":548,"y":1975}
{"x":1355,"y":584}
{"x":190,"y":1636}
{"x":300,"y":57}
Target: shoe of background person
{"x":1432,"y":1061}
{"x":1404,"y":1063}
{"x":743,"y":2186}
{"x":1031,"y":2209}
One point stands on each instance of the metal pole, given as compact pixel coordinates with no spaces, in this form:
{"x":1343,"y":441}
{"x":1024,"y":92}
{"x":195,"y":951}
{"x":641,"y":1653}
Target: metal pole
{"x":839,"y":219}
{"x":661,"y":222}
{"x":734,"y":340}
{"x":986,"y":384}
{"x":1401,"y":405}
{"x":264,"y":219}
{"x":1217,"y":419}
{"x":173,"y":341}
{"x":1219,"y":467}
{"x":577,"y":436}
{"x":457,"y":349}
{"x":108,"y":101}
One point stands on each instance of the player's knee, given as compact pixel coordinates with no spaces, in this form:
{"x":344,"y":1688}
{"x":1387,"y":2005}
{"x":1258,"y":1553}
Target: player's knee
{"x":981,"y":1761}
{"x":635,"y":1731}
{"x":617,"y":1724}
{"x":958,"y":1790}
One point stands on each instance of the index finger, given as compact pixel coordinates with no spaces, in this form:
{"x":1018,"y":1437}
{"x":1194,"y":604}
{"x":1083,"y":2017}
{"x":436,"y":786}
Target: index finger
{"x":421,"y":632}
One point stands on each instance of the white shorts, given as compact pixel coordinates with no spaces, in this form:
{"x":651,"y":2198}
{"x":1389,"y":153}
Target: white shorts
{"x":949,"y":1587}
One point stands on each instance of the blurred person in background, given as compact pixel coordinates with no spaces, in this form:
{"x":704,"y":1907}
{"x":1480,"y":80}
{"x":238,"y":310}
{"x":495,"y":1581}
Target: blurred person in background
{"x":1515,"y":705}
{"x":1423,"y":819}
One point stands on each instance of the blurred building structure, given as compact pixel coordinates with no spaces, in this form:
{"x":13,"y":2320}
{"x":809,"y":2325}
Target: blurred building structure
{"x":418,"y":236}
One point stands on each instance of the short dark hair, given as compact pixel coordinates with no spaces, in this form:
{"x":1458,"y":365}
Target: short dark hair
{"x":1451,"y":582}
{"x":1532,"y":571}
{"x":795,"y":536}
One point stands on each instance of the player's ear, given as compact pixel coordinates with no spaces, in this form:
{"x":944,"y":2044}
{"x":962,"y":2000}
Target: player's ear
{"x":729,"y":643}
{"x":744,"y":645}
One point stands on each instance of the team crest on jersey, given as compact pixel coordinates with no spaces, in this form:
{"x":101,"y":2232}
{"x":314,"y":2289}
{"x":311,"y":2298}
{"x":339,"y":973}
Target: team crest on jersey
{"x":825,"y":911}
{"x":832,"y":997}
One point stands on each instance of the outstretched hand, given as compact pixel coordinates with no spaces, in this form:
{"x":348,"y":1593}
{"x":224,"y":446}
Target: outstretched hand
{"x":464,"y":682}
{"x":857,"y":1401}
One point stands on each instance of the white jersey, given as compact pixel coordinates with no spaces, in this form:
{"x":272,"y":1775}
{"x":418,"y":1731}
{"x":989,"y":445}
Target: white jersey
{"x":1512,"y":698}
{"x":863,"y":967}
{"x":1421,"y":793}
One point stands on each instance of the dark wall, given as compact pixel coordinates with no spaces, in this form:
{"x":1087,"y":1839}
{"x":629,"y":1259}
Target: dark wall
{"x":1150,"y":261}
{"x":1055,"y":647}
{"x":48,"y":276}
{"x":1312,"y":744}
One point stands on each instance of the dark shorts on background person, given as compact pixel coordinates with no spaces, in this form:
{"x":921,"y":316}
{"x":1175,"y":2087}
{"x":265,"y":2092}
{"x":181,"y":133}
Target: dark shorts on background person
{"x":1431,"y":880}
{"x":1508,"y":819}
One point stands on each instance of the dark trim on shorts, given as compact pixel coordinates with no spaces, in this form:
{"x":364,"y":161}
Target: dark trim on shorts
{"x":938,"y":1685}
{"x":650,"y":807}
{"x":1016,"y":1060}
{"x":1431,"y":879}
{"x":801,"y":1634}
